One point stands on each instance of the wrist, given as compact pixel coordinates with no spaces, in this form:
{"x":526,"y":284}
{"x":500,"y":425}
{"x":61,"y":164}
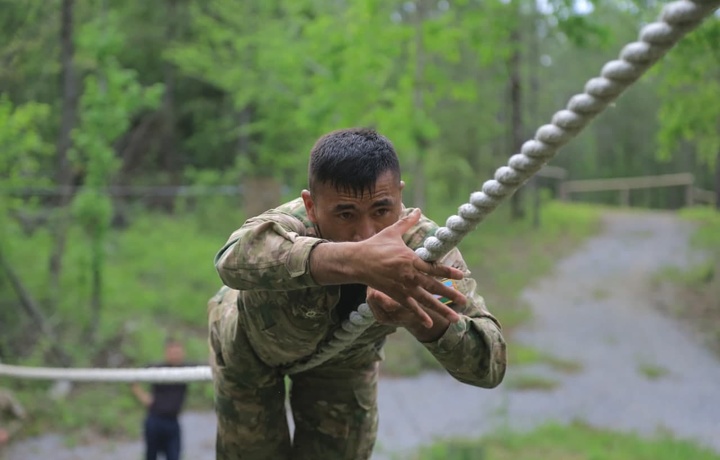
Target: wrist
{"x":429,"y":334}
{"x":335,"y":263}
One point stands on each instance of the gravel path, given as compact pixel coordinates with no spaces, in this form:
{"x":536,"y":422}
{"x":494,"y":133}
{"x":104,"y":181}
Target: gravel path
{"x":597,"y":309}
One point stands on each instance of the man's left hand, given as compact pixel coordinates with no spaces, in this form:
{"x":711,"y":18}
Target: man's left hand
{"x":389,"y":312}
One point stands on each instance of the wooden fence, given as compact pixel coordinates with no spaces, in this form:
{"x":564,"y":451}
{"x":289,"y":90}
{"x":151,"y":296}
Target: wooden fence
{"x":624,"y":185}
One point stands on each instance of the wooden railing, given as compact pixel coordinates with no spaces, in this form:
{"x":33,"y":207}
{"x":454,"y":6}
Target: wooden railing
{"x":623,"y":185}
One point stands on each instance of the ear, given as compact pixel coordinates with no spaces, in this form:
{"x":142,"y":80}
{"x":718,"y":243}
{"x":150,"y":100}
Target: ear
{"x":309,"y":205}
{"x":402,"y":185}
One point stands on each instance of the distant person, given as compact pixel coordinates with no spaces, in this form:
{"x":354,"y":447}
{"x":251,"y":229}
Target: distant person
{"x":164,"y":404}
{"x":12,"y":416}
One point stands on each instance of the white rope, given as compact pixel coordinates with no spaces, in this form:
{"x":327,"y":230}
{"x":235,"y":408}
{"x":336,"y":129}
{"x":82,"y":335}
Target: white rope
{"x":154,"y":374}
{"x":676,"y":20}
{"x":655,"y":39}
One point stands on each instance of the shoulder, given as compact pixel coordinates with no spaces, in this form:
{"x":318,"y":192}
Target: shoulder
{"x":416,"y":235}
{"x":291,"y":212}
{"x":295,"y":208}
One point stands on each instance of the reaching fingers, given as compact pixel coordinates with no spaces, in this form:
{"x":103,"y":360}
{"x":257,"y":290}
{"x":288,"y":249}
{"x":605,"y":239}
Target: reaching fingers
{"x":413,"y":305}
{"x":433,"y":302}
{"x":404,"y":224}
{"x":440,"y":270}
{"x":447,"y":291}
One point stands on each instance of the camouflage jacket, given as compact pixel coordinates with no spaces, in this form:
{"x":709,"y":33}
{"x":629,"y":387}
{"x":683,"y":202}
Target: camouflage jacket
{"x":287,"y":315}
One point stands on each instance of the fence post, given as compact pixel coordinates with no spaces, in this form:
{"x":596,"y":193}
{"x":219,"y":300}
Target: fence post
{"x":625,"y":197}
{"x":562,"y":191}
{"x":690,"y":194}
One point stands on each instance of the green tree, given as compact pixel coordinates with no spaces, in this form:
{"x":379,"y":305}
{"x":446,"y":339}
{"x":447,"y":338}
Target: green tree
{"x":111,"y":97}
{"x":22,"y":154}
{"x":690,"y":82}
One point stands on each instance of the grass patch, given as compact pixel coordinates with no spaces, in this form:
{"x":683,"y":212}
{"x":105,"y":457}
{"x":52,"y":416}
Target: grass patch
{"x":697,"y":289}
{"x":526,"y":382}
{"x":519,"y":355}
{"x":505,"y":256}
{"x":575,"y":442}
{"x":652,"y":371}
{"x":707,"y":235}
{"x":600,"y":294}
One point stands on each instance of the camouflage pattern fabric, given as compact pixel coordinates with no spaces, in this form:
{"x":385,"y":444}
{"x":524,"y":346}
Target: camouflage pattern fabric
{"x":271,"y":314}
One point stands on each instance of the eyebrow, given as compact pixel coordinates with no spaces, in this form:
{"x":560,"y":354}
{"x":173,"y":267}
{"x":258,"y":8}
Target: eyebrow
{"x":343,"y":207}
{"x":384,"y":202}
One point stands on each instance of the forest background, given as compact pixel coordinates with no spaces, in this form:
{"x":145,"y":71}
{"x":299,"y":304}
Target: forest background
{"x":135,"y":136}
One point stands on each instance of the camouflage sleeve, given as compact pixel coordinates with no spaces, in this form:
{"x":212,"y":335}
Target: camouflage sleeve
{"x":473,"y":349}
{"x":269,"y":252}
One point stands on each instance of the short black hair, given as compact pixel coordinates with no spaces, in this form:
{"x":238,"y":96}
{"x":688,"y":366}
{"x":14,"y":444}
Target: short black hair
{"x":352,"y":160}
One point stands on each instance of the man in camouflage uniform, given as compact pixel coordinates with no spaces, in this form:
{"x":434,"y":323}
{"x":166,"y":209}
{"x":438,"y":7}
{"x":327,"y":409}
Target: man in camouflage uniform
{"x":294,"y":273}
{"x":11,"y":416}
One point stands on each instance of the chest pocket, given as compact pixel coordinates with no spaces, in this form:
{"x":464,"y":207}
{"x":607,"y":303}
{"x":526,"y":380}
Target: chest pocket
{"x":288,"y":325}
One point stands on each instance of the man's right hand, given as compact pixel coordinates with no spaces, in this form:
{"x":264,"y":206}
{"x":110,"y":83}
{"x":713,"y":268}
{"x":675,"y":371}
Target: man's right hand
{"x":386,"y":264}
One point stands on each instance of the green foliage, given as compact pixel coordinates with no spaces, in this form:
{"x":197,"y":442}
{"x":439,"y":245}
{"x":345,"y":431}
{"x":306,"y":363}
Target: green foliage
{"x":685,"y":115}
{"x":707,"y":235}
{"x":574,"y":442}
{"x":210,"y":212}
{"x":22,"y":152}
{"x":250,"y":85}
{"x":112,"y":96}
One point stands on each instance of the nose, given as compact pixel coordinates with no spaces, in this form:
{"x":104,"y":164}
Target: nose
{"x":364,"y":230}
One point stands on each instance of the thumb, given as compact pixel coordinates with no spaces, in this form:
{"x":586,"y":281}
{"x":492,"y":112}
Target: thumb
{"x":406,"y":223}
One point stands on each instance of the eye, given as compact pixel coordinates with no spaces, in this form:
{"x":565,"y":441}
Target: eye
{"x":382,"y":212}
{"x":345,"y":216}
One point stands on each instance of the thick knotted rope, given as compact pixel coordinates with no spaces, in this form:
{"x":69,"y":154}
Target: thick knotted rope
{"x":655,"y":39}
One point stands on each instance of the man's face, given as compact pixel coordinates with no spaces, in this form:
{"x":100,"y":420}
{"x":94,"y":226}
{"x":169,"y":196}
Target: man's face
{"x":174,"y":353}
{"x":344,"y":216}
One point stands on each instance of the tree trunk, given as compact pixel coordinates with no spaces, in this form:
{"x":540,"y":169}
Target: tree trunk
{"x":96,"y":266}
{"x":534,"y":63}
{"x":64,"y":176}
{"x":96,"y":297}
{"x":516,"y":119}
{"x":717,"y":182}
{"x":32,"y":309}
{"x":419,"y":187}
{"x":169,"y":157}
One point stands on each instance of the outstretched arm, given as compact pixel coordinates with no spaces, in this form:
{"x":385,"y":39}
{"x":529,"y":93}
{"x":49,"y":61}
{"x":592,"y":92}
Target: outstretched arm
{"x":272,"y":252}
{"x":385,"y":263}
